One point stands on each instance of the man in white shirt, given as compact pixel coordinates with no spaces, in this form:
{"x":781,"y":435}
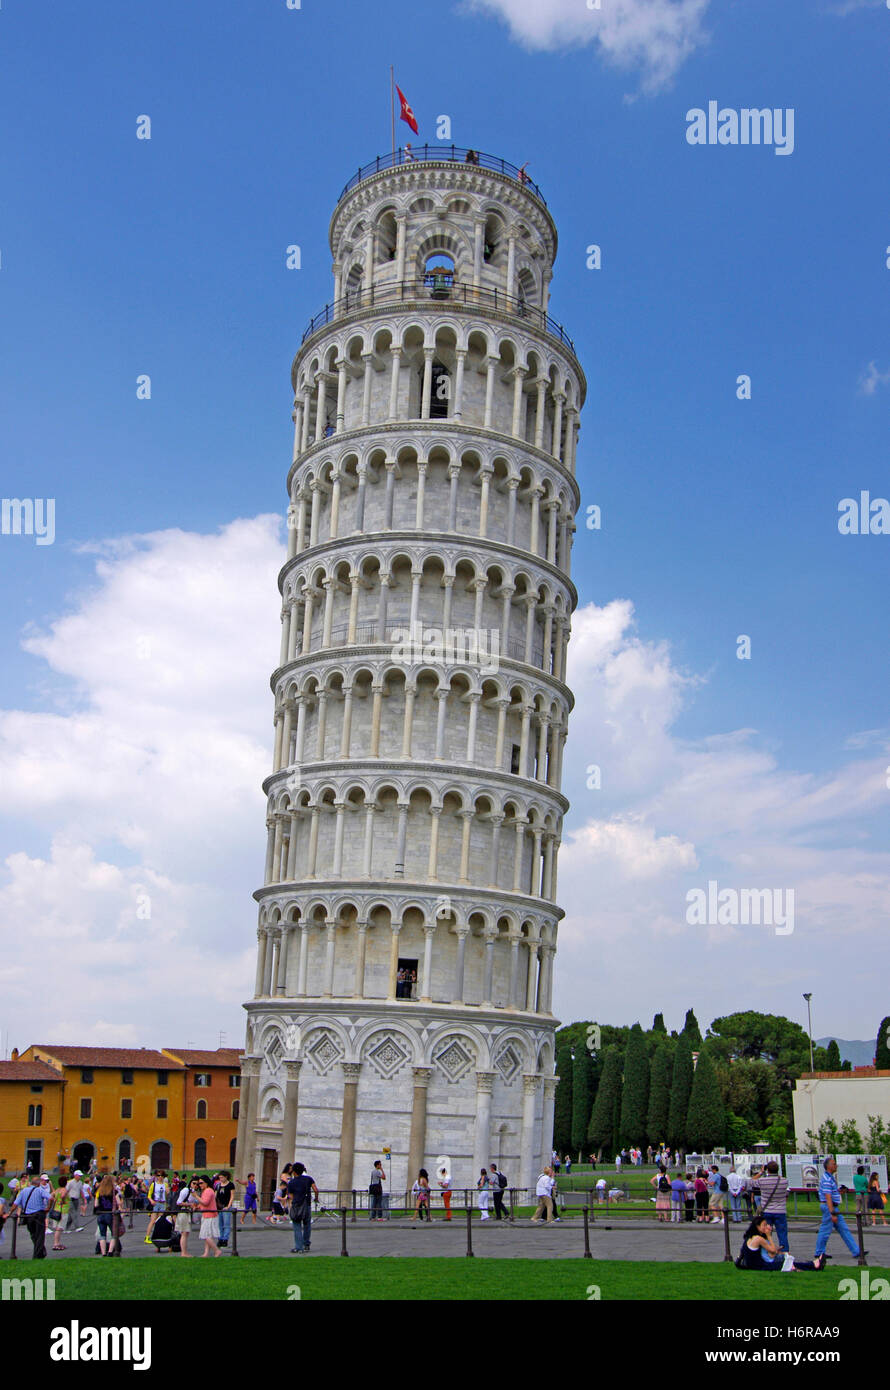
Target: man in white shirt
{"x":543,"y":1189}
{"x":737,"y":1185}
{"x":75,"y":1192}
{"x":601,"y":1189}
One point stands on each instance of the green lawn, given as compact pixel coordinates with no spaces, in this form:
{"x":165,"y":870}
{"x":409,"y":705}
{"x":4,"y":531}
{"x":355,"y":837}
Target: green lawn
{"x":404,"y":1278}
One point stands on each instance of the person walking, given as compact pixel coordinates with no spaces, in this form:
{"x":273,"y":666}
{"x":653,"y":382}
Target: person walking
{"x":58,"y":1207}
{"x":445,"y":1185}
{"x":185,"y":1205}
{"x":225,"y":1197}
{"x":32,"y":1203}
{"x":736,"y":1184}
{"x":568,"y":1164}
{"x":209,"y":1218}
{"x":375,"y":1192}
{"x":249,"y":1185}
{"x":301,"y":1189}
{"x":830,"y":1202}
{"x":498,"y":1188}
{"x":542,"y":1192}
{"x":860,"y":1187}
{"x":107,"y":1203}
{"x":774,"y":1199}
{"x":157,"y":1198}
{"x":75,"y":1195}
{"x":875,"y":1200}
{"x":484,"y":1186}
{"x":421,"y":1194}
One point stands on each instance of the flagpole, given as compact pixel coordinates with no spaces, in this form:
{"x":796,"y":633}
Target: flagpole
{"x":392,"y":106}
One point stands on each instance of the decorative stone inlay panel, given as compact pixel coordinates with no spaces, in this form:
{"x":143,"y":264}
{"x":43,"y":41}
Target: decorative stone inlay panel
{"x":508,"y":1063}
{"x":454,"y":1059}
{"x":324,"y":1050}
{"x":386,"y":1054}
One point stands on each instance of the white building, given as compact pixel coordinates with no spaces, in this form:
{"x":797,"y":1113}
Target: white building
{"x":839,"y":1096}
{"x":414,"y":805}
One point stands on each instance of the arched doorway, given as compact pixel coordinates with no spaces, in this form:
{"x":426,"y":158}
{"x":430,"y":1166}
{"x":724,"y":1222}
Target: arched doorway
{"x":82,"y":1155}
{"x":200,"y":1153}
{"x":124,"y":1155}
{"x":160,"y":1154}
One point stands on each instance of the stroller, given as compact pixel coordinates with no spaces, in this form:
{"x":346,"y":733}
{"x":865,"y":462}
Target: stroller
{"x":163,"y":1235}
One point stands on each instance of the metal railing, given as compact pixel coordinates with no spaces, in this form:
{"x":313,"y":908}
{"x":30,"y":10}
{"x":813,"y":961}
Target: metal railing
{"x":442,"y":154}
{"x":432,"y":288}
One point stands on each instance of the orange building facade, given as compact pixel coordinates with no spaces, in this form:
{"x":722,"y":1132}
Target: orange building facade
{"x":172,"y":1108}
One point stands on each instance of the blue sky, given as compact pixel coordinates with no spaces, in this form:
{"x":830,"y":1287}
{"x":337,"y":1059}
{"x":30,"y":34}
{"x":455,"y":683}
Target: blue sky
{"x":167,"y":257}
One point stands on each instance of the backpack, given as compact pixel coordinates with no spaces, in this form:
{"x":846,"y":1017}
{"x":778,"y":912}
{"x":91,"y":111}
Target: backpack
{"x":722,"y":1184}
{"x":502,"y":1181}
{"x":663,"y":1184}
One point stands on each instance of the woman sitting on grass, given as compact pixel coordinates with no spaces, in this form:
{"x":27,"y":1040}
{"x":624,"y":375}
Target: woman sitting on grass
{"x":761,"y":1251}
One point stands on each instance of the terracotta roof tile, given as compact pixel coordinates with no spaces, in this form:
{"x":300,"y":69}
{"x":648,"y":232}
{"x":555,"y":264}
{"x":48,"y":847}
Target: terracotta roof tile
{"x":28,"y":1071}
{"x":221,"y":1057}
{"x":130,"y":1057}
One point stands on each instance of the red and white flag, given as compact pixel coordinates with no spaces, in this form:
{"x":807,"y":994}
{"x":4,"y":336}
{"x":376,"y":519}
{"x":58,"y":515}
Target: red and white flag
{"x":406,"y":114}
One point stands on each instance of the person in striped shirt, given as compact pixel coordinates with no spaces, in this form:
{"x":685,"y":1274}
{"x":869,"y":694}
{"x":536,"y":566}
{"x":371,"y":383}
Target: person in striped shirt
{"x":830,"y":1202}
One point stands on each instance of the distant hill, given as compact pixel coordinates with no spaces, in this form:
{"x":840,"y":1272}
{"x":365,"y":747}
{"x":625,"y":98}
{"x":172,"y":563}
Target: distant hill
{"x":858,"y":1054}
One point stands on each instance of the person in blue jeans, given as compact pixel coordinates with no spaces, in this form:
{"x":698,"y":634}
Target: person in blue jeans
{"x":300,"y":1190}
{"x":830,"y":1202}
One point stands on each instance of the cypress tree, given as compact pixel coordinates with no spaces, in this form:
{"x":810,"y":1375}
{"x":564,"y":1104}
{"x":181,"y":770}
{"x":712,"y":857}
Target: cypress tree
{"x":681,"y":1089}
{"x":562,"y":1105}
{"x":635,"y":1092}
{"x":601,"y":1130}
{"x":581,"y":1105}
{"x":692,"y":1030}
{"x":834,"y":1056}
{"x":882,"y":1045}
{"x":706,"y":1119}
{"x":658,"y":1024}
{"x":659,"y":1095}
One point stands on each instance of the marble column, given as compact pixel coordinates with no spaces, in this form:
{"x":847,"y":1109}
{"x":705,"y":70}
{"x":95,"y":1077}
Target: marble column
{"x":417,"y":1135}
{"x":528,"y":1149}
{"x":482,"y":1128}
{"x":291,"y":1103}
{"x":351,"y":1073}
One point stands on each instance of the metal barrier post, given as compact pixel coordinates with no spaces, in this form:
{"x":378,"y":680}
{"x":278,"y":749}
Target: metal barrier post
{"x":727,"y":1253}
{"x":512,"y":1200}
{"x":343,"y":1250}
{"x":15,"y":1229}
{"x":862,"y":1260}
{"x":587,"y":1254}
{"x":469,"y":1232}
{"x":234,"y":1233}
{"x":354,"y":1195}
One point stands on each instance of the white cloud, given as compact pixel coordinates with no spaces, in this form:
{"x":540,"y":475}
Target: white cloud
{"x":871,"y":379}
{"x":653,"y":36}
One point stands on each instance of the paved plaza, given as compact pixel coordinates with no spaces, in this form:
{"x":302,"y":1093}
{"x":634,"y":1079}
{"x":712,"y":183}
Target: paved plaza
{"x":615,"y":1239}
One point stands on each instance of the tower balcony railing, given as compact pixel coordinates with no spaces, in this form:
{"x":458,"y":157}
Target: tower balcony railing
{"x":443,"y":154}
{"x":439,"y":289}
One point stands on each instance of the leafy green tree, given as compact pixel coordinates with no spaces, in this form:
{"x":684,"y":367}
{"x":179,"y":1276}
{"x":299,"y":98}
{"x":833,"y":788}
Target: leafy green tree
{"x":581,"y":1097}
{"x":601,"y":1130}
{"x":658,"y":1024}
{"x":740,"y":1136}
{"x":846,"y":1065}
{"x":659,"y":1095}
{"x":850,"y":1138}
{"x":692,"y":1030}
{"x":562,"y":1105}
{"x":681,"y":1089}
{"x":706,"y":1119}
{"x":878,"y":1141}
{"x":635,"y":1092}
{"x":882,"y":1045}
{"x":777,"y":1139}
{"x":834,"y":1056}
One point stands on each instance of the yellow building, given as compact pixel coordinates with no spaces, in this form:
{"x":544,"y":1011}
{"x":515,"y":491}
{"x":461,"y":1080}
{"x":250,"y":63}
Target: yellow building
{"x":117,"y":1104}
{"x":30,"y":1116}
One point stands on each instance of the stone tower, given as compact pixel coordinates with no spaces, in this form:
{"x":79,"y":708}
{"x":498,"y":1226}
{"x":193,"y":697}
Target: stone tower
{"x":408,"y":920}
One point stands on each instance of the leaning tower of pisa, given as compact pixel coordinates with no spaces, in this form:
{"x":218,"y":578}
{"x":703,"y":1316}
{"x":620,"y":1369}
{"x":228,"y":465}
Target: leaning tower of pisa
{"x":408,"y":918}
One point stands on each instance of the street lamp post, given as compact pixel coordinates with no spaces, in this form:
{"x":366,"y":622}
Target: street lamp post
{"x":811,"y":1083}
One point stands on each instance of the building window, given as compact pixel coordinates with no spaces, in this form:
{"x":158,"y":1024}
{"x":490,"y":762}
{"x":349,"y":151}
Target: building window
{"x":162,"y":1078}
{"x":203,"y":1078}
{"x":126,"y":1110}
{"x":36,"y":1090}
{"x":86,"y":1109}
{"x":200,"y":1153}
{"x":201,"y":1110}
{"x":35,"y":1115}
{"x":234,"y":1078}
{"x":162,"y":1110}
{"x":236,"y":1109}
{"x":126,"y":1078}
{"x":86,"y":1076}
